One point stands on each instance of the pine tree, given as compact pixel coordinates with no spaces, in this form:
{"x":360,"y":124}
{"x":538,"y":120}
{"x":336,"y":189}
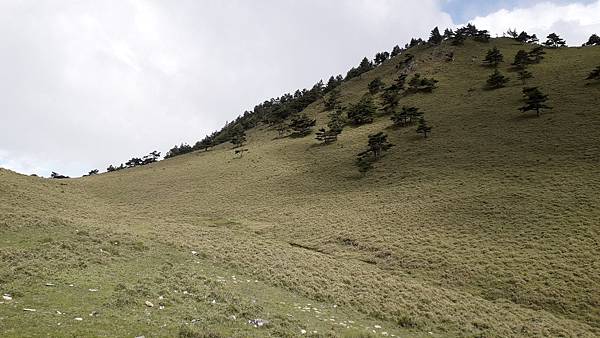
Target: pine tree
{"x":526,"y":38}
{"x":554,"y":41}
{"x":391,"y":99}
{"x":406,"y":116}
{"x":301,"y":125}
{"x":521,"y":59}
{"x":448,"y":34}
{"x":496,"y":80}
{"x":536,"y":54}
{"x":364,"y":163}
{"x":422,"y":84}
{"x":594,"y":40}
{"x":435,"y":37}
{"x":595,"y":74}
{"x":534,"y":100}
{"x":493,"y":57}
{"x":376,"y":145}
{"x":332,"y":100}
{"x":524,"y":75}
{"x":381,"y":57}
{"x":335,"y":127}
{"x":238,"y":138}
{"x":395,"y":51}
{"x":363,"y":111}
{"x":423,"y":128}
{"x":375,"y":86}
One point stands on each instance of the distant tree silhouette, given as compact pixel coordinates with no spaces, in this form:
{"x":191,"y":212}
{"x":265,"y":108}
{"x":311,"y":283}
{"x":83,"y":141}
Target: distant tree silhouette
{"x":554,"y":41}
{"x":364,"y":66}
{"x":496,"y":80}
{"x":448,"y":34}
{"x":381,"y":57}
{"x":395,"y":51}
{"x":493,"y":57}
{"x":526,"y":38}
{"x":435,"y":37}
{"x":594,"y":40}
{"x":363,"y":111}
{"x":93,"y":172}
{"x":423,"y":128}
{"x":512,"y":33}
{"x":534,"y":100}
{"x":58,"y":176}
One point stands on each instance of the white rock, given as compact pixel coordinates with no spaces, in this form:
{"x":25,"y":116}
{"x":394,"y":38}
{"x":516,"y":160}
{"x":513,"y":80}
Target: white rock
{"x":194,"y":252}
{"x":6,"y":296}
{"x":377,"y":326}
{"x":49,"y":284}
{"x":29,"y":310}
{"x":213,"y":302}
{"x":58,"y":312}
{"x":161,"y":297}
{"x":93,"y":290}
{"x":149,"y":304}
{"x":161,"y":307}
{"x":78,"y":318}
{"x":303,"y":331}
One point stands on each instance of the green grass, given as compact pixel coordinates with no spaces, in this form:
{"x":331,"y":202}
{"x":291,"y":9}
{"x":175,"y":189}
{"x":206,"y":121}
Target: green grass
{"x":487,"y":228}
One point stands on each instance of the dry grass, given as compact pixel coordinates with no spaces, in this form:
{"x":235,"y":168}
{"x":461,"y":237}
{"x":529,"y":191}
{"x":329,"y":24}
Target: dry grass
{"x":488,"y":228}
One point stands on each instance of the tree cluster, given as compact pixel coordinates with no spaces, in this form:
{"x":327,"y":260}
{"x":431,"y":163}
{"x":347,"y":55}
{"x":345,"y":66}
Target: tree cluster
{"x":422,"y":84}
{"x":522,"y":37}
{"x":301,"y":125}
{"x":493,"y":57}
{"x":136,"y":161}
{"x":363,"y":111}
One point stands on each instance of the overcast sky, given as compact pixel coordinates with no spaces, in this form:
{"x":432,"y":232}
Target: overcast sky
{"x":85,"y":84}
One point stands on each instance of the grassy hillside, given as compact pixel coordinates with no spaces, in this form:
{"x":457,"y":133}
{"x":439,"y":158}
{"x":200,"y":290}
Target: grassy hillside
{"x":487,"y":228}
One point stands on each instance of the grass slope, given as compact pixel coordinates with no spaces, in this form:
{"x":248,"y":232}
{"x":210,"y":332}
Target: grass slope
{"x":488,"y":228}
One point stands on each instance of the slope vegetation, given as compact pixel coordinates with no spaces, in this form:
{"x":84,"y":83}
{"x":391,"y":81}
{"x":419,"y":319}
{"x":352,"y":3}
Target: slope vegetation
{"x":489,"y":227}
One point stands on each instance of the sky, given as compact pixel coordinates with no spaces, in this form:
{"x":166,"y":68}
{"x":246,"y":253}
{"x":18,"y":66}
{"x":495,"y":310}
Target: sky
{"x":90,"y":83}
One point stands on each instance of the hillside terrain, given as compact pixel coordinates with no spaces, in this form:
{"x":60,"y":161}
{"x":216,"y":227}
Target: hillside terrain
{"x":487,"y":228}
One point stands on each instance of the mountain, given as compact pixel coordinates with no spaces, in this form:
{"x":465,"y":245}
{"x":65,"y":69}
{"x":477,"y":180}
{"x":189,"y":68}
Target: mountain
{"x":486,"y":228}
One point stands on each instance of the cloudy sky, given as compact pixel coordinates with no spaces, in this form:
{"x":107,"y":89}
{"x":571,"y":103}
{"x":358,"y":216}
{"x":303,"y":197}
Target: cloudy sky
{"x":87,"y":83}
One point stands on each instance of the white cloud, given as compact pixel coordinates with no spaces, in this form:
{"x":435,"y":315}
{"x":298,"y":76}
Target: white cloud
{"x":574,"y":22}
{"x":90,"y":83}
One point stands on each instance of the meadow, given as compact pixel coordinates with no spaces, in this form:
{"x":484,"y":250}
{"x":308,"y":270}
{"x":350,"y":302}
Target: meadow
{"x":490,"y":227}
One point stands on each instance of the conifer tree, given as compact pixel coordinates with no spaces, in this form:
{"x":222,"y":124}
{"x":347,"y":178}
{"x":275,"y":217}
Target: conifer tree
{"x":406,"y":116}
{"x":395,"y":51}
{"x":422,"y":84}
{"x":534,"y":100}
{"x":391,"y":99}
{"x":423,"y":127}
{"x":524,"y":75}
{"x":536,"y":54}
{"x":594,"y":40}
{"x":595,"y":74}
{"x":238,"y":138}
{"x":493,"y":57}
{"x":554,"y":41}
{"x":381,"y":57}
{"x":377,"y":144}
{"x":363,"y":111}
{"x":435,"y":37}
{"x":496,"y":80}
{"x":448,"y":34}
{"x":521,"y":59}
{"x":335,"y":127}
{"x":375,"y":86}
{"x":332,"y":100}
{"x":301,"y":125}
